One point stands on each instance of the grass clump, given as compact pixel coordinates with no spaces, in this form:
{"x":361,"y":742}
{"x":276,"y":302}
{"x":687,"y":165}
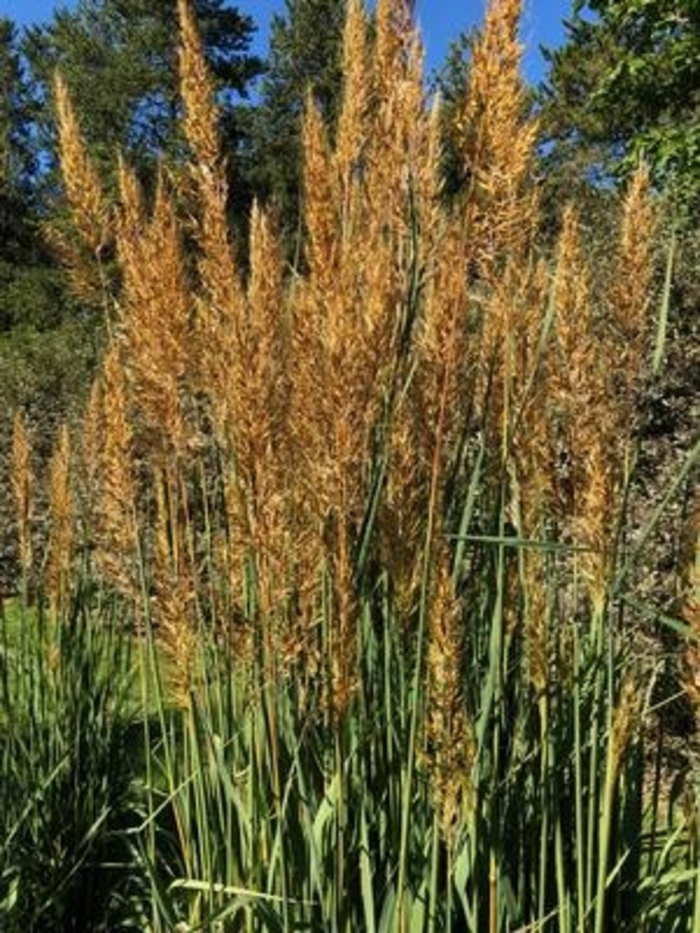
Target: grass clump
{"x":68,"y":775}
{"x":373,"y":510}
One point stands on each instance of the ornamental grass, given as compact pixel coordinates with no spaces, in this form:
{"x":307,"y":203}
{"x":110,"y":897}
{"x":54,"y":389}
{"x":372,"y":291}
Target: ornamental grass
{"x":364,"y":524}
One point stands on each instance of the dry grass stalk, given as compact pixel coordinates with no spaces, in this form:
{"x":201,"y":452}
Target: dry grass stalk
{"x":605,"y":417}
{"x":262,"y":398}
{"x":155,"y":314}
{"x":62,"y":517}
{"x":349,"y":312}
{"x":132,"y":214}
{"x":446,"y":347}
{"x":625,"y":719}
{"x":573,"y":354}
{"x":399,"y":128}
{"x":216,"y":364}
{"x":450,"y":739}
{"x":499,"y":209}
{"x":532,"y":489}
{"x":201,"y":118}
{"x":389,"y":253}
{"x":22,"y":481}
{"x":201,"y":125}
{"x":320,"y":202}
{"x":351,"y":134}
{"x":499,"y":144}
{"x":533,"y":484}
{"x":584,"y":478}
{"x":173,"y":586}
{"x":257,"y":391}
{"x":631,"y":294}
{"x":90,"y":211}
{"x":116,"y":539}
{"x":242,"y":336}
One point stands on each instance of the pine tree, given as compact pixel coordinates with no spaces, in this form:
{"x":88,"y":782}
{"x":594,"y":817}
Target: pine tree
{"x":28,"y":294}
{"x":16,"y":160}
{"x":305,"y":58}
{"x":119,"y":61}
{"x":626,"y":85}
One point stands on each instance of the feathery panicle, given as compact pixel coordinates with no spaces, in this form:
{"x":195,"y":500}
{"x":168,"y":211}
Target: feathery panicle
{"x":596,"y":517}
{"x":365,"y":204}
{"x":499,"y":213}
{"x":597,"y":405}
{"x":61,"y":514}
{"x":400,"y":129}
{"x":201,"y":120}
{"x":173,"y":586}
{"x":266,"y":347}
{"x":201,"y":124}
{"x":132,"y":212}
{"x":89,"y":207}
{"x":636,"y":257}
{"x":572,"y":302}
{"x":249,"y":390}
{"x":529,"y":418}
{"x":580,"y":412}
{"x":351,"y":136}
{"x":320,"y":202}
{"x":80,"y":240}
{"x":451,"y":744}
{"x":405,"y":501}
{"x":259,"y":398}
{"x":156,"y":317}
{"x":430,"y":170}
{"x":116,"y":533}
{"x":220,"y":307}
{"x":393,"y":22}
{"x":499,"y":143}
{"x":583,"y":422}
{"x":625,"y":719}
{"x":22,"y":482}
{"x":632,"y":290}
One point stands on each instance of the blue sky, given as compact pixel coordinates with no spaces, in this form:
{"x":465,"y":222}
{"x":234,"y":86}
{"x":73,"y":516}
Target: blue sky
{"x":440,"y":20}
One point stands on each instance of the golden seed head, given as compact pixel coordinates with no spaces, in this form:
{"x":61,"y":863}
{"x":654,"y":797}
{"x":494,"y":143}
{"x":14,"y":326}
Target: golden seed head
{"x":626,"y":717}
{"x":116,"y":535}
{"x":201,"y":120}
{"x":173,"y":588}
{"x":450,"y":739}
{"x":89,"y":207}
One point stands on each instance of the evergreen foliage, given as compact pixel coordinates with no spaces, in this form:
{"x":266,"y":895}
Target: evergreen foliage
{"x":304,"y":59}
{"x":626,"y":85}
{"x":119,"y":62}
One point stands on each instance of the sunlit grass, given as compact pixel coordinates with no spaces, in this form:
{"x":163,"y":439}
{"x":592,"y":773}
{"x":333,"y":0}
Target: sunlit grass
{"x":355,"y":578}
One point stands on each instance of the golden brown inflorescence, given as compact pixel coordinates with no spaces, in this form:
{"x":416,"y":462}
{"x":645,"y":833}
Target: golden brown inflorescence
{"x":315,"y":424}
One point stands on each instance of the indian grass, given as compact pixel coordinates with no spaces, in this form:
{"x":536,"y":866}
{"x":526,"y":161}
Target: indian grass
{"x":372,"y":510}
{"x":83,"y":244}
